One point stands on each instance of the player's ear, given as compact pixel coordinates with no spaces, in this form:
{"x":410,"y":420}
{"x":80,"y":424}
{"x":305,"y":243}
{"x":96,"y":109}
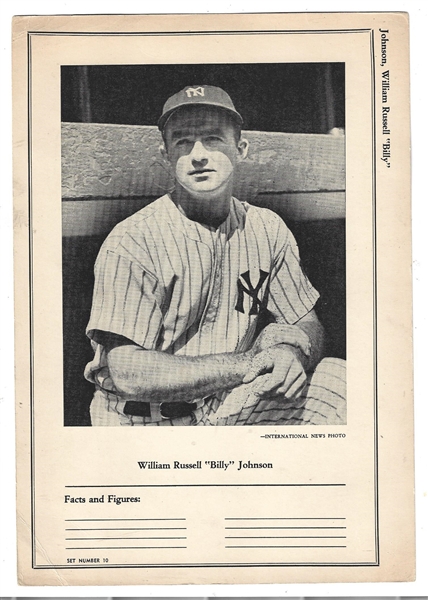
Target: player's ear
{"x":242,"y":146}
{"x":164,"y":153}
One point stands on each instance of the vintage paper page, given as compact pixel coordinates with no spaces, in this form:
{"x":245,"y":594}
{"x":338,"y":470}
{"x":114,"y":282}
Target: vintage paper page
{"x":262,"y":489}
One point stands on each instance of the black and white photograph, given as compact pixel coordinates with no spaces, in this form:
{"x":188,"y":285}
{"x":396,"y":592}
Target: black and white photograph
{"x":212,"y":229}
{"x":204,"y":264}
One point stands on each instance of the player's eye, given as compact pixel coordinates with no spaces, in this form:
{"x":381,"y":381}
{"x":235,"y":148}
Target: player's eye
{"x":183,"y":142}
{"x":212,"y":141}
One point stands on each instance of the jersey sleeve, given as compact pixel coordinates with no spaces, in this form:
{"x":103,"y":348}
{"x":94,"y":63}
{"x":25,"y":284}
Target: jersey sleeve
{"x":126,"y":300}
{"x":291,"y":295}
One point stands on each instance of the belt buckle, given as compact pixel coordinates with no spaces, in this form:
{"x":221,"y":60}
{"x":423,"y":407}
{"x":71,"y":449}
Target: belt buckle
{"x":160,"y":411}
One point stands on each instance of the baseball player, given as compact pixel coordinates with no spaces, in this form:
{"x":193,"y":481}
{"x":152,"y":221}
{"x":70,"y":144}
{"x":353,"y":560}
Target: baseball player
{"x":181,"y":288}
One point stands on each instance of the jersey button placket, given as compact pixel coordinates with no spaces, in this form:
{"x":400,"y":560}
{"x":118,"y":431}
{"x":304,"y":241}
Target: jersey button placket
{"x":216,"y":283}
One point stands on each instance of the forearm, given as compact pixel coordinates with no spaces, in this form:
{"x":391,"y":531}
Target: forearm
{"x":158,"y":377}
{"x":315,"y":332}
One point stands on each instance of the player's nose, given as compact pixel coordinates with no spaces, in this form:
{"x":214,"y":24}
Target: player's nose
{"x":199,"y":153}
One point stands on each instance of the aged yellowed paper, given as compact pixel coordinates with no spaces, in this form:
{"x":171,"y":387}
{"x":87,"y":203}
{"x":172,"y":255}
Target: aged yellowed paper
{"x":267,"y":496}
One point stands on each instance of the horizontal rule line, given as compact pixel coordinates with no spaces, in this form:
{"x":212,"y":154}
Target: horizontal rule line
{"x":105,"y":539}
{"x":283,"y":537}
{"x":185,"y":485}
{"x":196,"y":33}
{"x":229,"y":564}
{"x":127,"y":548}
{"x":285,"y":518}
{"x":113,"y":519}
{"x":285,"y":546}
{"x":128,"y":529}
{"x":285,"y":527}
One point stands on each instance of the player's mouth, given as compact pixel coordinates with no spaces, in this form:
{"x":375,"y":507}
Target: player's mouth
{"x":201,"y":171}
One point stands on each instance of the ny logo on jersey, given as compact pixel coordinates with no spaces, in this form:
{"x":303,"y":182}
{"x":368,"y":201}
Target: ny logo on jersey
{"x":198,"y":91}
{"x":258,"y":304}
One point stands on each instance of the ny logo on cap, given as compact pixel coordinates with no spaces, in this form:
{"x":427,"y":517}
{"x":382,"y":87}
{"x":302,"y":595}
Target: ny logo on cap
{"x":199,"y":91}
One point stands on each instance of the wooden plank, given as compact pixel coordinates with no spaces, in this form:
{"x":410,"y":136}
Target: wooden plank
{"x":304,"y":206}
{"x":95,"y":217}
{"x":122,"y":161}
{"x":280,"y":162}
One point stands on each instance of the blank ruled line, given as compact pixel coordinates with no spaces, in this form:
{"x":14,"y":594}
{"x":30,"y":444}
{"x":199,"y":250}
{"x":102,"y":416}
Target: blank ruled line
{"x":285,"y":527}
{"x":112,"y":519}
{"x":143,"y":538}
{"x":285,"y":518}
{"x":284,"y":537}
{"x":285,"y":546}
{"x":126,"y":548}
{"x":127,"y":529}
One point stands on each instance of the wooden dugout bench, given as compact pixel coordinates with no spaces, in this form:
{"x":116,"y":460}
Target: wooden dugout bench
{"x":111,"y":171}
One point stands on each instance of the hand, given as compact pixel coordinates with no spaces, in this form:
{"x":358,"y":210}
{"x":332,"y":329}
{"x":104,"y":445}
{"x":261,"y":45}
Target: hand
{"x":277,"y":371}
{"x":279,"y":333}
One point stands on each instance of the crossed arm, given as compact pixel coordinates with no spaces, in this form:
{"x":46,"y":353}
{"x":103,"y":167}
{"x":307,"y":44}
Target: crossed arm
{"x":277,"y":363}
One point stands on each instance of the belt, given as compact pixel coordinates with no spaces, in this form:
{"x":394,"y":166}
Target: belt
{"x":168,"y":410}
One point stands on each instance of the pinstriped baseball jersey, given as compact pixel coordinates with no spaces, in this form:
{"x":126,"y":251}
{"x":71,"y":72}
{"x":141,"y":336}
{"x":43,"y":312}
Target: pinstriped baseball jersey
{"x":171,"y":284}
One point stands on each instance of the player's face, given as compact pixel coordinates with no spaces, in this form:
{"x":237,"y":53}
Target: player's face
{"x":203,"y":150}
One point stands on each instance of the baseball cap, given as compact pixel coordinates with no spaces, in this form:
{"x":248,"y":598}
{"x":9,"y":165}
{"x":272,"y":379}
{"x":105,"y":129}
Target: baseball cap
{"x":209,"y":95}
